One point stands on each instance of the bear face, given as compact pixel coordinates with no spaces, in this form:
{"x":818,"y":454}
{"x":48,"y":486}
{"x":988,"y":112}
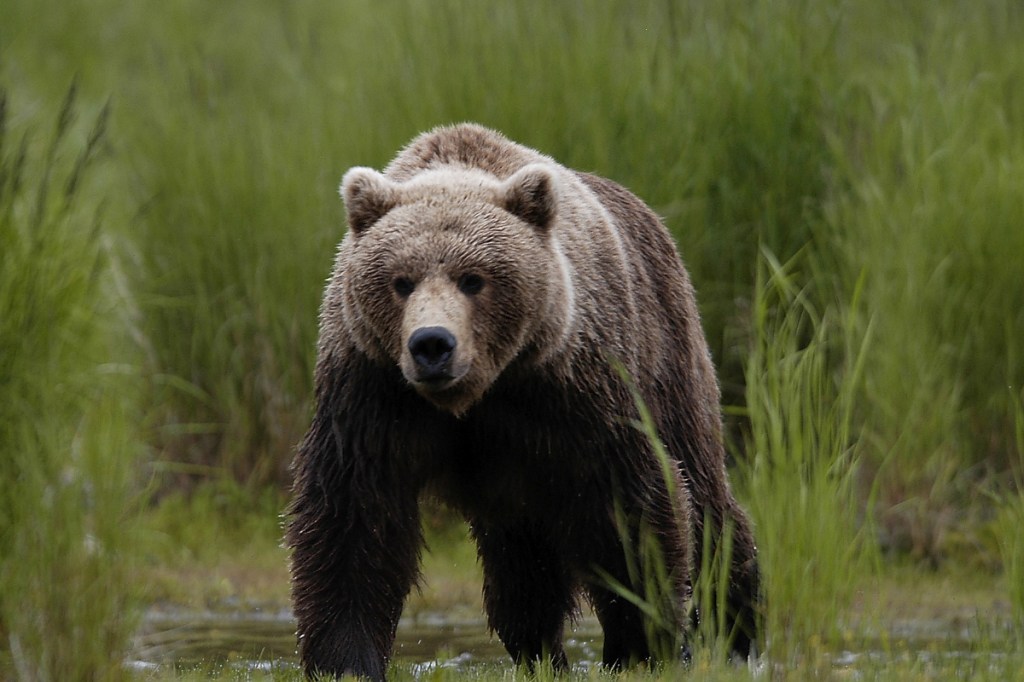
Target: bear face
{"x":445,"y":263}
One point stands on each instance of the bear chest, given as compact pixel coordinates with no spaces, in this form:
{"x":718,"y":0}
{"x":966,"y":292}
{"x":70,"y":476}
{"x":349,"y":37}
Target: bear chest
{"x":510,"y":459}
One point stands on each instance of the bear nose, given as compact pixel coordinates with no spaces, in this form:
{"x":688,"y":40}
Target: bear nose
{"x":431,"y":348}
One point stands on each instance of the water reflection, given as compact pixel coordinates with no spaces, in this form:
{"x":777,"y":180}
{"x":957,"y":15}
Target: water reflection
{"x":191,"y":638}
{"x":261,"y":638}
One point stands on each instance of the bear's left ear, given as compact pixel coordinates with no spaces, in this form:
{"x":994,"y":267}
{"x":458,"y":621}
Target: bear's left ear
{"x":530,"y":195}
{"x":368,"y":197}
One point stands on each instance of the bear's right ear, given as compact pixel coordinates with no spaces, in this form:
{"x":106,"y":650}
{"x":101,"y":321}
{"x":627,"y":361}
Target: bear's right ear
{"x":368,"y":196}
{"x":531,"y":196}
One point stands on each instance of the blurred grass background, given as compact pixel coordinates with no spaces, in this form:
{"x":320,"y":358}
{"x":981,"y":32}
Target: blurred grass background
{"x":845,"y":181}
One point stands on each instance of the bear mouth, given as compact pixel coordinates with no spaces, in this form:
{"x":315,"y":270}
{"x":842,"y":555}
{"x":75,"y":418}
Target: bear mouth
{"x":446,"y":390}
{"x":449,"y":393}
{"x":435,"y":383}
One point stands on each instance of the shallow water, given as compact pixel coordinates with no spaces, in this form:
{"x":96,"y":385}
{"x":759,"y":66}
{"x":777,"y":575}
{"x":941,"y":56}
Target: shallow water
{"x":264,"y":639}
{"x":258,"y":638}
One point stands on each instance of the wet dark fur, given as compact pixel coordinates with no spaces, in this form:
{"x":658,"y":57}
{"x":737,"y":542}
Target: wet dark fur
{"x":538,"y":466}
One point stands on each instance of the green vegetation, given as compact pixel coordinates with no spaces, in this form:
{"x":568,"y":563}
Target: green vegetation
{"x":799,"y":474}
{"x":217,"y":543}
{"x":844,"y":180}
{"x":67,"y":445}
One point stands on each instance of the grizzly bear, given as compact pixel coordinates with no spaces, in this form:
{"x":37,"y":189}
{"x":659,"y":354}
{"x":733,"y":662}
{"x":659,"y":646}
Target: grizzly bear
{"x":492,"y":328}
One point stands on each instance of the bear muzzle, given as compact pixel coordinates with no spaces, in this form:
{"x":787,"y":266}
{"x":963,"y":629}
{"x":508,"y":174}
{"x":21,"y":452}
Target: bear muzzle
{"x":432,"y":350}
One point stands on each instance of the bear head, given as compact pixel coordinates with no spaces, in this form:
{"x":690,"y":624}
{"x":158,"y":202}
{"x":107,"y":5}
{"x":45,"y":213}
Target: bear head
{"x":454,"y":274}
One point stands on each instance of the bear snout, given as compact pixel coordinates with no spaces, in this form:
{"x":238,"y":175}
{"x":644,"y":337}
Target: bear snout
{"x":432,"y":349}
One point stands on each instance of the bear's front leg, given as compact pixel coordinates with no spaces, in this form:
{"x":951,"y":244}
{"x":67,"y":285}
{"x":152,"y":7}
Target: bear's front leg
{"x":352,"y":568}
{"x":354,"y":533}
{"x":528,"y":592}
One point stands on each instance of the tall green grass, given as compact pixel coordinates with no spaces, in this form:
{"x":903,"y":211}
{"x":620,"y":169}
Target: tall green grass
{"x":799,"y":476}
{"x":932,"y":220}
{"x":67,"y":452}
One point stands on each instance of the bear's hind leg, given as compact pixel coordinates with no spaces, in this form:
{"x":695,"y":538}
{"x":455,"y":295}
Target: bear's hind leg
{"x":743,"y":594}
{"x":659,"y":576}
{"x":625,"y":642}
{"x":744,"y":598}
{"x":528,"y":593}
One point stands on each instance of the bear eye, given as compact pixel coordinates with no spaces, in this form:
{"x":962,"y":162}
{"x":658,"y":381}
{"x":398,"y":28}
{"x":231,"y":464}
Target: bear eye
{"x":403,"y":286}
{"x":471,"y":284}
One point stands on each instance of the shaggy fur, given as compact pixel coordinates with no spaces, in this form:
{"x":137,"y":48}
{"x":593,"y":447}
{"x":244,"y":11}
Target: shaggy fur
{"x":473,"y":331}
